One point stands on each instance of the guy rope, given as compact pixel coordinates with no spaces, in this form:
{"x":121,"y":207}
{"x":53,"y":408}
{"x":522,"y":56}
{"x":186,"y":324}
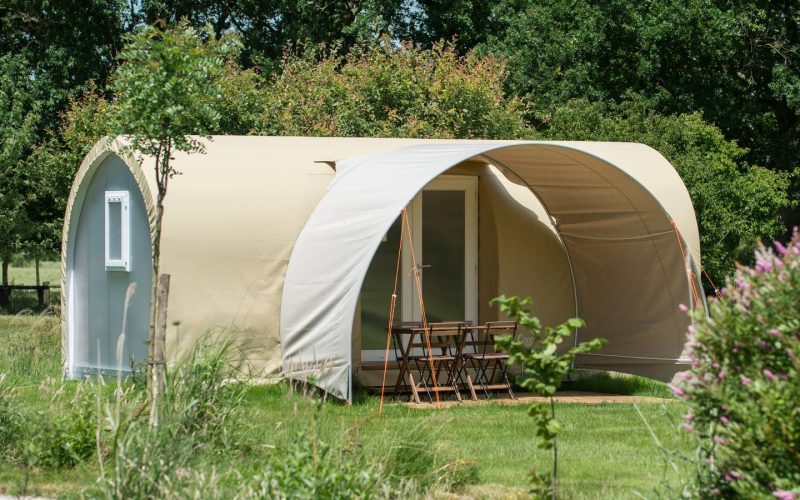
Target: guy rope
{"x":406,"y":228}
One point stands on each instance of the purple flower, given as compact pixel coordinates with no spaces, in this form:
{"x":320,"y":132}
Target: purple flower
{"x":763,"y":266}
{"x":689,"y":416}
{"x":784,"y":495}
{"x":745,"y":380}
{"x":677,"y":390}
{"x":780,"y":248}
{"x":724,"y":420}
{"x":686,"y":376}
{"x":687,"y":427}
{"x":774,"y":331}
{"x":683,"y":307}
{"x":720,"y":441}
{"x":769,"y":375}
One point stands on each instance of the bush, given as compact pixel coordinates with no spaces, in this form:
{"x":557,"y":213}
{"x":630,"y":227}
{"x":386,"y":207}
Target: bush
{"x":68,"y":437}
{"x":742,"y":391}
{"x":62,"y":437}
{"x":388,"y":91}
{"x":312,"y":468}
{"x":10,"y":421}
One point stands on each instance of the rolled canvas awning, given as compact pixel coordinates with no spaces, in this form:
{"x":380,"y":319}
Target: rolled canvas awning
{"x":613,"y":205}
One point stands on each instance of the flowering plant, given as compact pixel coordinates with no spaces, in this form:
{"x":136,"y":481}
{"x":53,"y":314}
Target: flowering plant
{"x":743,"y":390}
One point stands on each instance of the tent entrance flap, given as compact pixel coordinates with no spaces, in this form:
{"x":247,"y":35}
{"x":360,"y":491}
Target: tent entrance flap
{"x":601,"y":194}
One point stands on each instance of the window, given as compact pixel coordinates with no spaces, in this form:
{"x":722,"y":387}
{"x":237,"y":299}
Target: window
{"x":117,"y":231}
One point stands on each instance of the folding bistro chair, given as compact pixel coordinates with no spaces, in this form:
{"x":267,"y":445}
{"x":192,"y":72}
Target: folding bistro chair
{"x":401,"y":343}
{"x":434,"y":351}
{"x":480,"y":355}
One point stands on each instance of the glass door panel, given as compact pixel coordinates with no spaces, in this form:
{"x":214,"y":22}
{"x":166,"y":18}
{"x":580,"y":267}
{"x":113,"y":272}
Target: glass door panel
{"x":376,"y":292}
{"x":443,"y":254}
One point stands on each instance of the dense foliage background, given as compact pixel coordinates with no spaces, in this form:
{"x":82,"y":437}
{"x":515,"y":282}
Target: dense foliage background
{"x":713,"y":85}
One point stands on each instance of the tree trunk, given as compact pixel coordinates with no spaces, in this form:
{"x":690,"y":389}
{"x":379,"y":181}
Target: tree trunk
{"x":159,"y":358}
{"x":555,"y":450}
{"x":5,"y":294}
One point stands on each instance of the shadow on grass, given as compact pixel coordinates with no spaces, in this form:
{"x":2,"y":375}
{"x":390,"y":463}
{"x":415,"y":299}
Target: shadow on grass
{"x":617,"y":383}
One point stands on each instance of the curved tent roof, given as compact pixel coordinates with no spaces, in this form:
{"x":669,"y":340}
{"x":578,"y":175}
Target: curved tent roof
{"x":613,"y":205}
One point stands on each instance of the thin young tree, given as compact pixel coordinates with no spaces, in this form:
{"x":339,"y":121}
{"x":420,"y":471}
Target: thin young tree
{"x":543,"y":371}
{"x":167,"y":92}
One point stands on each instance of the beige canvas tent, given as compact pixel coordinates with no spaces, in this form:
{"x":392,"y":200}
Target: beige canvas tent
{"x":289,"y":243}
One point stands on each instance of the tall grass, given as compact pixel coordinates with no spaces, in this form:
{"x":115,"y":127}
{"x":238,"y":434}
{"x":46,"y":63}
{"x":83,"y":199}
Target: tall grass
{"x":197,"y":415}
{"x":30,"y":348}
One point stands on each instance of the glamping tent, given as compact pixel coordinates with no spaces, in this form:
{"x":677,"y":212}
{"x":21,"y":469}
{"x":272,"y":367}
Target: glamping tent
{"x":289,"y":245}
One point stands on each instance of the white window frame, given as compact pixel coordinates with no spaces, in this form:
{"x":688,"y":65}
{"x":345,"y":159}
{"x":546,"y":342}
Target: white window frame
{"x":469,"y":185}
{"x":124,"y":262}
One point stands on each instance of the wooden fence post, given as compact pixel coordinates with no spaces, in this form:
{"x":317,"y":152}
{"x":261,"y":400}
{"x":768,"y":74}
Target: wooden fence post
{"x":159,"y":358}
{"x":45,"y":294}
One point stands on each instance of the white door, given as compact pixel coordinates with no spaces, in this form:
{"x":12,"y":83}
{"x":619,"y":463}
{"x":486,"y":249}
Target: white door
{"x":443,"y":219}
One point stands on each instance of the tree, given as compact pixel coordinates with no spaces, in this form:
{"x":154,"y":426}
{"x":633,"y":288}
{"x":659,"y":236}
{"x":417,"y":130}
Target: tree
{"x":736,"y":61}
{"x":543,"y":371}
{"x":468,"y":23}
{"x":268,"y":27}
{"x":736,"y":203}
{"x":386,"y":91}
{"x":20,"y":116}
{"x":165,"y":90}
{"x":54,"y":162}
{"x":67,"y":44}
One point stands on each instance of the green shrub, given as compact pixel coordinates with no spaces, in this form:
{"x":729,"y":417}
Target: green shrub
{"x":68,"y":436}
{"x":61,"y":437}
{"x":311,"y":468}
{"x":10,"y":421}
{"x":742,"y":391}
{"x":391,"y":91}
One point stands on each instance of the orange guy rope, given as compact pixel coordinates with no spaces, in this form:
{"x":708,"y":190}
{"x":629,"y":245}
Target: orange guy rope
{"x":392,"y":305}
{"x":689,"y":272}
{"x":415,"y":269}
{"x":717,"y":291}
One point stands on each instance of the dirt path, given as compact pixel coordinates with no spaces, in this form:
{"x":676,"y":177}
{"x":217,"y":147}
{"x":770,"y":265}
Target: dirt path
{"x":570,"y":397}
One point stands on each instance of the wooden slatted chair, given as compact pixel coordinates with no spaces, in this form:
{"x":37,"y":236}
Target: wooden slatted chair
{"x":479,"y":354}
{"x":434,"y":352}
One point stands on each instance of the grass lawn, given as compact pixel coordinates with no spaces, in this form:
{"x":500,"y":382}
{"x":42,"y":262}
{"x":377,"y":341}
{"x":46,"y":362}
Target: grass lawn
{"x":605,"y":450}
{"x":26,"y":274}
{"x":26,"y":300}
